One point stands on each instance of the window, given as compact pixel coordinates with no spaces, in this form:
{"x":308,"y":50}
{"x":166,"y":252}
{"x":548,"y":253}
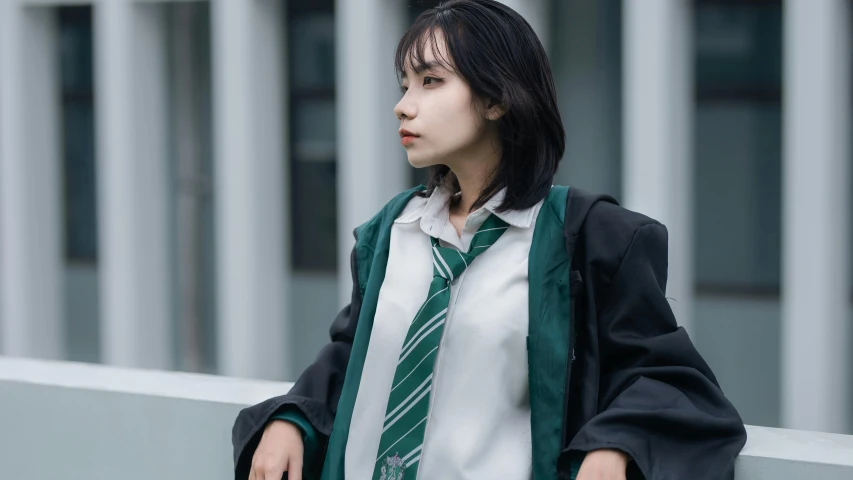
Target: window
{"x":81,"y":308}
{"x":78,"y":133}
{"x":313,"y":168}
{"x":738,"y":133}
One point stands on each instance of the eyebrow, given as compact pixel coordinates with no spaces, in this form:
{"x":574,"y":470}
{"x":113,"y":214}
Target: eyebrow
{"x":433,"y":65}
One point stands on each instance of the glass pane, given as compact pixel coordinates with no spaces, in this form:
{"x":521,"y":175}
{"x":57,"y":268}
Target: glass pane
{"x":738,"y":197}
{"x":81,"y":219}
{"x":312,"y":123}
{"x":75,"y":45}
{"x":738,"y":136}
{"x":314,"y":130}
{"x":738,"y":47}
{"x":78,"y":130}
{"x":313,"y":51}
{"x":79,"y":184}
{"x":315,"y":216}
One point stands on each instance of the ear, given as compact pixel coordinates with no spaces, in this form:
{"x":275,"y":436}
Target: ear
{"x":495,"y":110}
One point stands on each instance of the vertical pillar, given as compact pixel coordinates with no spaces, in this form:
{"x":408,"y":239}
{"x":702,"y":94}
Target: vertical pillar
{"x":816,"y":198}
{"x":132,"y":175}
{"x":30,"y":248}
{"x":250,"y":174}
{"x":371,"y":163}
{"x":658,"y":107}
{"x":188,"y":159}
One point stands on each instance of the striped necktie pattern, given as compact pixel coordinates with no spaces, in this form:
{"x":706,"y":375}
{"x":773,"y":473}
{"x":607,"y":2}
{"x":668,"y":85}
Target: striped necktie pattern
{"x":403,"y":430}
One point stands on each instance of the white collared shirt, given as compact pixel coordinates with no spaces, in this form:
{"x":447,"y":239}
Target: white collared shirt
{"x":479,"y":421}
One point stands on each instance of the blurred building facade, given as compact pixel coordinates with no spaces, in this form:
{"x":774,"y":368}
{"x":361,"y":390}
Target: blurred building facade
{"x":179,"y":180}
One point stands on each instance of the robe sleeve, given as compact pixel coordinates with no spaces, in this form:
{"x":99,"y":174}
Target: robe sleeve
{"x":658,"y":400}
{"x":315,"y":394}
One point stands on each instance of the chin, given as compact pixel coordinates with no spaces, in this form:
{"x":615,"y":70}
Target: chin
{"x":419,"y":162}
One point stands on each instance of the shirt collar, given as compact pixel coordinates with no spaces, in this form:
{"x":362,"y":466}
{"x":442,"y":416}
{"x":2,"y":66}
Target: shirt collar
{"x":434,"y":211}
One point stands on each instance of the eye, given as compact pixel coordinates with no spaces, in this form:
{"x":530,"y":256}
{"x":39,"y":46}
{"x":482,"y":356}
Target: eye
{"x":403,"y":88}
{"x":431,"y":78}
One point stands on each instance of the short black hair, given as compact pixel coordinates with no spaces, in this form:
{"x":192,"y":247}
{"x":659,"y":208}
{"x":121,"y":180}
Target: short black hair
{"x":497,"y":53}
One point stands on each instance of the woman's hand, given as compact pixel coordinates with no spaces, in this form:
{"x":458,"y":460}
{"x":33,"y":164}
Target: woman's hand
{"x":279,"y":451}
{"x":604,"y":464}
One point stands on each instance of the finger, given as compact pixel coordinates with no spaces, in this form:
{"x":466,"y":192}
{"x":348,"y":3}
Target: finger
{"x":294,"y":468}
{"x":271,"y":474}
{"x":265,"y":471}
{"x":276,"y":473}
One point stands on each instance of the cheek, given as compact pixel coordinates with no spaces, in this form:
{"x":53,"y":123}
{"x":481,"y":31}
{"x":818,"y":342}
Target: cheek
{"x":450,"y":127}
{"x":455,"y":123}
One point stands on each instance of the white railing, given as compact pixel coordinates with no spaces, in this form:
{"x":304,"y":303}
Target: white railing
{"x":70,"y":420}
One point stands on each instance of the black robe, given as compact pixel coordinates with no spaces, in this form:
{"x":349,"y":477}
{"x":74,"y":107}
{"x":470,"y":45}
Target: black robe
{"x":636,"y":382}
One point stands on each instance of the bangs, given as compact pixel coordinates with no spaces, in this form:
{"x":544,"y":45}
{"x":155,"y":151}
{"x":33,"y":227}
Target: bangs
{"x":412,"y":47}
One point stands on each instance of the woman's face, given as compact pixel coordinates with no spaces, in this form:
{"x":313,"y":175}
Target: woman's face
{"x":438,"y":107}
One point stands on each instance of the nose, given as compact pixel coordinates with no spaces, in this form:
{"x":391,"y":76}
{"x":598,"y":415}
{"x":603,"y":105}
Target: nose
{"x":405,"y":108}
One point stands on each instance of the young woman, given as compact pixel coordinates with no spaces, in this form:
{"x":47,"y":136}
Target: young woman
{"x":500,"y":327}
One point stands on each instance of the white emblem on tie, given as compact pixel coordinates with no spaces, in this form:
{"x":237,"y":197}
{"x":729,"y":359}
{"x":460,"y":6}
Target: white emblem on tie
{"x":393,"y":468}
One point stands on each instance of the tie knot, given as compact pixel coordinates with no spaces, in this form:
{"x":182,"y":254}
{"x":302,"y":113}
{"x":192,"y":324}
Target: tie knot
{"x":449,"y":263}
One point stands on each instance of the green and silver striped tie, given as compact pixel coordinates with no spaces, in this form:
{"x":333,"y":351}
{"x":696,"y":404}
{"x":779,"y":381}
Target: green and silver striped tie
{"x":408,"y":404}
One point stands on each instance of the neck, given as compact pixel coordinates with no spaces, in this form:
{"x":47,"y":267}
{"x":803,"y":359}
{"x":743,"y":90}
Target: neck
{"x":473,"y":174}
{"x":471,"y":188}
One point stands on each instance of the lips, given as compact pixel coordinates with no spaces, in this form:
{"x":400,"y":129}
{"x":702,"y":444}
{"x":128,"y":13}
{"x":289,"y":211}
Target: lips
{"x":407,"y":137}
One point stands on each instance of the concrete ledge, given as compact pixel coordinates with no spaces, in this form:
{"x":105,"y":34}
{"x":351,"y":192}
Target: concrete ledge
{"x":71,"y":420}
{"x":188,"y":386}
{"x":778,"y":453}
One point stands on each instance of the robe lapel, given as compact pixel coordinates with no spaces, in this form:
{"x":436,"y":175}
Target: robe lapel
{"x":548,"y":334}
{"x":374,"y":239}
